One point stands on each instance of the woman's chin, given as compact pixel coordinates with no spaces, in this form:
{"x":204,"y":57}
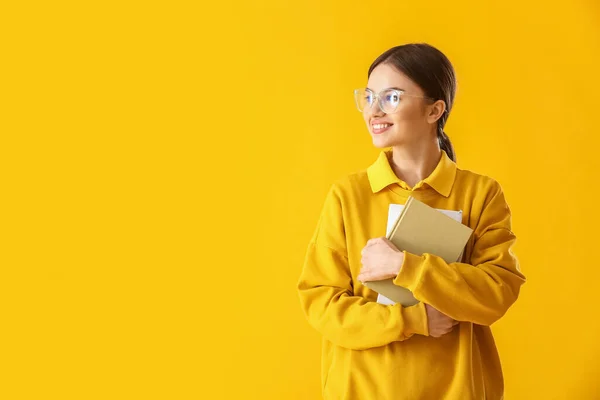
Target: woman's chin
{"x":381,"y":142}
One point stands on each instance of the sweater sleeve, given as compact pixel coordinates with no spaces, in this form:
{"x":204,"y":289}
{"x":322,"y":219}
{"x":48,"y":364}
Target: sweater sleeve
{"x":482,"y":291}
{"x":326,"y":293}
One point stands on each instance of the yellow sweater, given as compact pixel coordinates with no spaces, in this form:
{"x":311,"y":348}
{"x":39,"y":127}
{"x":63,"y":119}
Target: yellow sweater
{"x":380,"y":352}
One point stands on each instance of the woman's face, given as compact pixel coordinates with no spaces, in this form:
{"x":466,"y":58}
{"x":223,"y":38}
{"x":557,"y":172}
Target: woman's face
{"x":409,"y":124}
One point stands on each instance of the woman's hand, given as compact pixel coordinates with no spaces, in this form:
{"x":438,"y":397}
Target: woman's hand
{"x":439,"y":323}
{"x":380,"y":260}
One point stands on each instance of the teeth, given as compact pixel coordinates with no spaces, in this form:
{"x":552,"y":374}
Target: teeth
{"x":380,"y":126}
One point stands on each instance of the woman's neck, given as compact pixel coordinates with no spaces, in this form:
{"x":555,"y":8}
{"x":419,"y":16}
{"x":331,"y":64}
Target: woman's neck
{"x":412,"y":165}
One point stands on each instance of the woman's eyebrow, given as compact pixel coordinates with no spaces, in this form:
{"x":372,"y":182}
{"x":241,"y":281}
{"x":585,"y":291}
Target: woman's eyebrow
{"x":395,"y":88}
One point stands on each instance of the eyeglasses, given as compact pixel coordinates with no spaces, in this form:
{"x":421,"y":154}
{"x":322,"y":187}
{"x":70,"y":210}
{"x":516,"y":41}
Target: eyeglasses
{"x":388,"y":99}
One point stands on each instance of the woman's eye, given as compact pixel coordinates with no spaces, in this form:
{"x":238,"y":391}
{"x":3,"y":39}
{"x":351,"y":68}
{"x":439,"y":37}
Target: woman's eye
{"x":393,"y":98}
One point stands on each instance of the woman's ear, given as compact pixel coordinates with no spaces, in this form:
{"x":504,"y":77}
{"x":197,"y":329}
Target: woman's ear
{"x":436,"y":110}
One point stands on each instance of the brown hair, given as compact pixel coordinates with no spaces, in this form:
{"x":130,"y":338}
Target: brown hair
{"x":432,"y":71}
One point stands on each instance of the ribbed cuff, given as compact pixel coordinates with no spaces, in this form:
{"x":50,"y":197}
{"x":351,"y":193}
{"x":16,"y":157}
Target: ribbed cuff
{"x":410,"y":272}
{"x":415,"y":319}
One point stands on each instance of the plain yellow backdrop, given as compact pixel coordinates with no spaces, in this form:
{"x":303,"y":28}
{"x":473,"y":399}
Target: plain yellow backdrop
{"x":164,"y":163}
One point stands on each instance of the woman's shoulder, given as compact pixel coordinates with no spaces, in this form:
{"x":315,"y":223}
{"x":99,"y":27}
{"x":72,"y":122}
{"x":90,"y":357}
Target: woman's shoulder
{"x":352,"y":188}
{"x":480,"y":189}
{"x":466,"y":177}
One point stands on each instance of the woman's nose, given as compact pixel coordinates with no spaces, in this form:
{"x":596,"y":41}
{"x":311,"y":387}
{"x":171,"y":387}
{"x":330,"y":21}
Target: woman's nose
{"x":374,"y":110}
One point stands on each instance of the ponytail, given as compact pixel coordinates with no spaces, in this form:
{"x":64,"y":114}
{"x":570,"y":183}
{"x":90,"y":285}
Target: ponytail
{"x":446,"y":144}
{"x":443,"y":139}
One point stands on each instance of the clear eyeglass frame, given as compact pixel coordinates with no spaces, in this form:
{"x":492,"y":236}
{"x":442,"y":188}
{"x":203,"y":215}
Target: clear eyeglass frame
{"x":388,"y":100}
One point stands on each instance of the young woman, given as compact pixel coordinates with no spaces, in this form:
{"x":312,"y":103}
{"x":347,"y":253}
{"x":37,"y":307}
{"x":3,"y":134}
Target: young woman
{"x":441,"y":348}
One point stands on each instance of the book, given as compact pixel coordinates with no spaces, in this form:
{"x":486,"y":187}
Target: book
{"x":422,"y":229}
{"x":393,"y":213}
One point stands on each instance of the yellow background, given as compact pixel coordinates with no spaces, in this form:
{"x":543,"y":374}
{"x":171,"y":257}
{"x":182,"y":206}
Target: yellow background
{"x":164,"y":163}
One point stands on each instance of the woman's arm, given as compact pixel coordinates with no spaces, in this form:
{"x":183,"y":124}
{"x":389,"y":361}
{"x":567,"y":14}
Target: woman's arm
{"x":480,"y":292}
{"x":326,"y":293}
